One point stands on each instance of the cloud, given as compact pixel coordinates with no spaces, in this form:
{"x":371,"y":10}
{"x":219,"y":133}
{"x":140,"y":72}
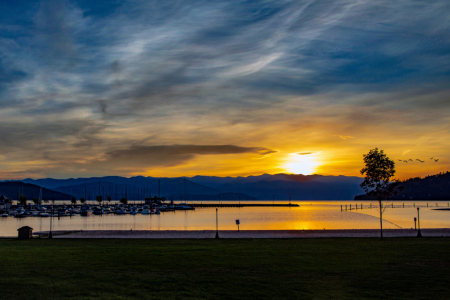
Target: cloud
{"x":344,"y":137}
{"x":305,"y":153}
{"x":78,"y":78}
{"x":406,"y":152}
{"x":144,"y":157}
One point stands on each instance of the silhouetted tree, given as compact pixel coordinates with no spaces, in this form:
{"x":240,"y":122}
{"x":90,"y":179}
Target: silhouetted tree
{"x":124,"y":200}
{"x":99,"y":199}
{"x":109,"y":200}
{"x":378,"y":171}
{"x":82,"y":200}
{"x":36,"y":201}
{"x":73,"y":200}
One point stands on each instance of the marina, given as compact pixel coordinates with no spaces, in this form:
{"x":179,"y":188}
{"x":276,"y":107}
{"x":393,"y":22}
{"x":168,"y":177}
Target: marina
{"x":253,"y":215}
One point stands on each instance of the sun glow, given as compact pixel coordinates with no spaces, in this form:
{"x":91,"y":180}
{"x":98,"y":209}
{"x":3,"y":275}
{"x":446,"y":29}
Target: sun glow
{"x":301,"y":164}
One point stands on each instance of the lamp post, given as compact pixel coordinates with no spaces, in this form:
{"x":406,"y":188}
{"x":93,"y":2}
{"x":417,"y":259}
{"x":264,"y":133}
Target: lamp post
{"x":419,"y":234}
{"x":217,"y":223}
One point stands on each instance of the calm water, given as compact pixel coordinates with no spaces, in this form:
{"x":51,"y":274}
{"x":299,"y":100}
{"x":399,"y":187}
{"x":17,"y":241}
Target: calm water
{"x":310,"y":215}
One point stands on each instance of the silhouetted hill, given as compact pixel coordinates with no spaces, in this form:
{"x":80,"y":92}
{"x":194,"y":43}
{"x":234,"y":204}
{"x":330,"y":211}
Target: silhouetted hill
{"x":13,"y":189}
{"x":434,"y":187}
{"x":137,"y":188}
{"x":262,"y":187}
{"x":309,"y":190}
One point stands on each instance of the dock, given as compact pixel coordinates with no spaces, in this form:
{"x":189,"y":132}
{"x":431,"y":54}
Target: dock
{"x":242,"y":205}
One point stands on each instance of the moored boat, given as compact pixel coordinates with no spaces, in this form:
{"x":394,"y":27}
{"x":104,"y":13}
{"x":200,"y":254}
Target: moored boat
{"x":84,"y":211}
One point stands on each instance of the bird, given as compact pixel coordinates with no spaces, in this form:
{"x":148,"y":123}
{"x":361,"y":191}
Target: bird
{"x":436,"y":160}
{"x":405,"y":161}
{"x":410,"y":159}
{"x":420,"y":160}
{"x":431,"y":157}
{"x":400,"y":160}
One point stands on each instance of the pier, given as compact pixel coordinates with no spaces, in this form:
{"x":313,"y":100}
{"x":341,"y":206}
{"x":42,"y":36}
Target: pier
{"x":242,"y":205}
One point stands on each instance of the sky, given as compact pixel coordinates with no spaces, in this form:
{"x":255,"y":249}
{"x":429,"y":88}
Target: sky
{"x":224,"y":88}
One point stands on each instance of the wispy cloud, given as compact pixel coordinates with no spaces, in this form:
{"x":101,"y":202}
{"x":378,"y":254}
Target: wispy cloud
{"x":345,"y":137}
{"x":81,"y":80}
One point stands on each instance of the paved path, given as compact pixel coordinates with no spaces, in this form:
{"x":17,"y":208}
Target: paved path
{"x":244,"y":234}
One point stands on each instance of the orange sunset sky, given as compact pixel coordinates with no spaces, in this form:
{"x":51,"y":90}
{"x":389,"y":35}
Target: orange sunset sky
{"x":223,"y":89}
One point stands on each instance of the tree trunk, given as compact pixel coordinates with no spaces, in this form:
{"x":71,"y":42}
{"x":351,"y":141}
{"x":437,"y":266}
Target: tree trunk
{"x":381,"y":220}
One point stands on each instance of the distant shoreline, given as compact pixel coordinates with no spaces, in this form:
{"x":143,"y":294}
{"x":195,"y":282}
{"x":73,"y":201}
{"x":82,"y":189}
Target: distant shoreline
{"x":244,"y":234}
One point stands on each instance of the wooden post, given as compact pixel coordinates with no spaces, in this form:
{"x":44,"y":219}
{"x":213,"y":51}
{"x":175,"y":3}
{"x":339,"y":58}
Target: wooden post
{"x":341,"y":207}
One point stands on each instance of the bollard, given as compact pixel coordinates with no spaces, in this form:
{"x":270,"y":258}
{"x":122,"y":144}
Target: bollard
{"x":370,"y":205}
{"x":414,"y":205}
{"x":350,"y":207}
{"x":403,"y":205}
{"x":361,"y":205}
{"x":436,"y":205}
{"x":341,"y":207}
{"x":392,"y":205}
{"x":356,"y":206}
{"x":345,"y":207}
{"x":427,"y":204}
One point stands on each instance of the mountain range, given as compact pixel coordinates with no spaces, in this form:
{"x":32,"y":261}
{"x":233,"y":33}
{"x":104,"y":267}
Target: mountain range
{"x":262,"y":187}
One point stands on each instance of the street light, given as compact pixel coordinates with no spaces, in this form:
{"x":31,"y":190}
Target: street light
{"x":419,"y":234}
{"x":217,"y":223}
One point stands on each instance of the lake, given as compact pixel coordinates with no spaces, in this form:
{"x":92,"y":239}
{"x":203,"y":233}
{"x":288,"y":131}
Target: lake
{"x":309,"y":215}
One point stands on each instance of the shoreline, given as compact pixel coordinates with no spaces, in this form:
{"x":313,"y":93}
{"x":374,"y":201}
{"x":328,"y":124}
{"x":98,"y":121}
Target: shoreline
{"x":244,"y":234}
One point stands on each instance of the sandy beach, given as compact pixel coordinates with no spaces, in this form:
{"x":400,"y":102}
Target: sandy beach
{"x":243,"y":234}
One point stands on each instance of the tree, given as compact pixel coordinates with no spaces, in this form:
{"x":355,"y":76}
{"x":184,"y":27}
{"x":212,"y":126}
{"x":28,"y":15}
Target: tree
{"x":378,"y":181}
{"x":109,"y":200}
{"x":82,"y":200}
{"x":73,"y":200}
{"x":36,"y":201}
{"x":23,"y":200}
{"x":99,"y":199}
{"x":124,"y":200}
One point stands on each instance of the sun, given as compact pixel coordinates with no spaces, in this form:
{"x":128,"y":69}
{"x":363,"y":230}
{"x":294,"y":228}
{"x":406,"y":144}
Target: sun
{"x":301,"y":164}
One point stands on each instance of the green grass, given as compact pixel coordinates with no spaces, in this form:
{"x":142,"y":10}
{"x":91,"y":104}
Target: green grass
{"x":400,"y":268}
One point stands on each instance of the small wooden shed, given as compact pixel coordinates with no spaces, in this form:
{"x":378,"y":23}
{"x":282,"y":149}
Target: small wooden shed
{"x":25,"y":232}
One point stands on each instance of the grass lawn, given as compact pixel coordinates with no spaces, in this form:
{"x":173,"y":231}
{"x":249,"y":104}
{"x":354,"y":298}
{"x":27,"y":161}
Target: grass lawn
{"x":395,"y":268}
